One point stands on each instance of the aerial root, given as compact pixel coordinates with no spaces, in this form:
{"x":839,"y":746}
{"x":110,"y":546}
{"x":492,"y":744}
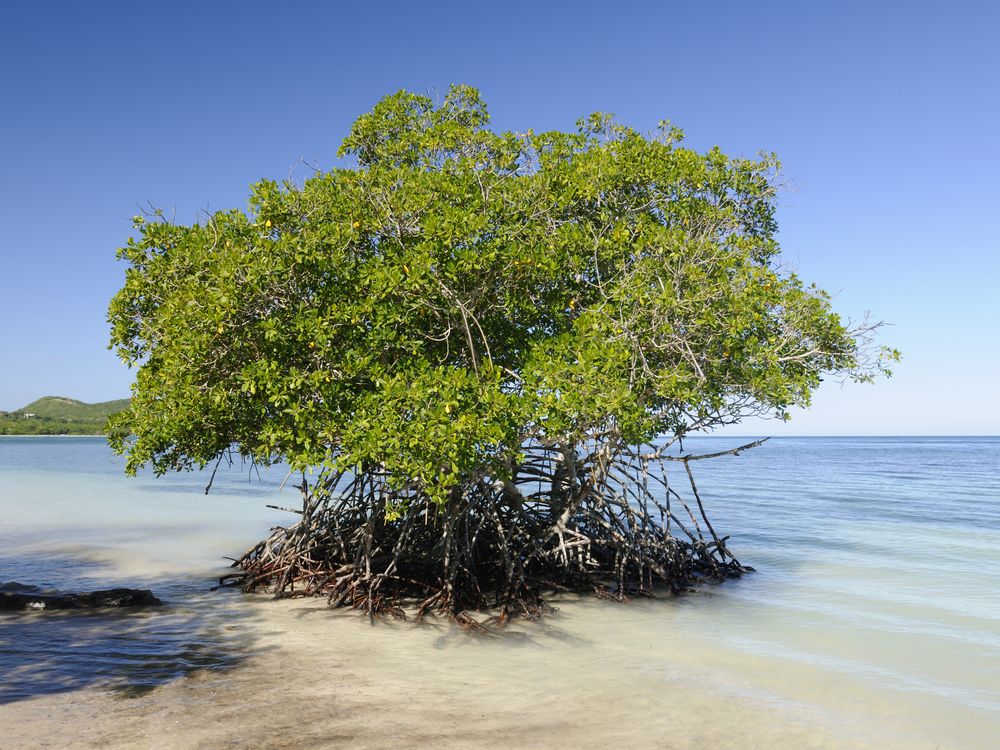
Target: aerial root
{"x":605,"y":521}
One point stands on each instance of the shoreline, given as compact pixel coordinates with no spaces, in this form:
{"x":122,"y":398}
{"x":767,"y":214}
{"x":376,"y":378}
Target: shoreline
{"x":316,"y":678}
{"x":59,"y":435}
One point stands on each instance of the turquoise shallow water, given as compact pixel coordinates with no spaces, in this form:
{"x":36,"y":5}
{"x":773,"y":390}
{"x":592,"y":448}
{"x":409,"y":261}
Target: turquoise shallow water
{"x":875,"y":604}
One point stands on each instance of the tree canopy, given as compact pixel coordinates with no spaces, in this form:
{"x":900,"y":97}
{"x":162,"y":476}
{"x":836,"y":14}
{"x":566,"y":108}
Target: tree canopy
{"x":458,"y":291}
{"x":451,"y":295}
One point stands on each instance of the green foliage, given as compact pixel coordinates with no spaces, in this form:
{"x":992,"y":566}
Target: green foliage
{"x":460,"y":291}
{"x":56,"y":415}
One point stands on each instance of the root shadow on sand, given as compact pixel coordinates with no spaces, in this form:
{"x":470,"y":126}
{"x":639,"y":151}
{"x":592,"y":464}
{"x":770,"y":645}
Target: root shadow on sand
{"x":128,"y":650}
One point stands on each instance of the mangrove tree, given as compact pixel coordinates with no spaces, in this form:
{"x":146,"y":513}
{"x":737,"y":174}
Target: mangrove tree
{"x":479,"y":352}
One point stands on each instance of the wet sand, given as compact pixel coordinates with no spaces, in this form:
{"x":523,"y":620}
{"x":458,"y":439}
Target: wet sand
{"x":321,"y":679}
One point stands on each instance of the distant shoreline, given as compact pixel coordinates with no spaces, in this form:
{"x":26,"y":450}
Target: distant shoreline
{"x":59,"y":435}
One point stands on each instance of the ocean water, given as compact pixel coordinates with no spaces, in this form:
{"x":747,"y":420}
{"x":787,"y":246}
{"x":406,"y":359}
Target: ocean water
{"x":72,"y":521}
{"x":873,"y":619}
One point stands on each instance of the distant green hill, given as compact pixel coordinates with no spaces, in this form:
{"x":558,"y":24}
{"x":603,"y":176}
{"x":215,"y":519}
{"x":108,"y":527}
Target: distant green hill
{"x":57,"y":415}
{"x":71,"y":410}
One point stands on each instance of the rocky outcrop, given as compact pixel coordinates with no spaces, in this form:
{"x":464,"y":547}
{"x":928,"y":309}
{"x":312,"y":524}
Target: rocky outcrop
{"x":20,"y":597}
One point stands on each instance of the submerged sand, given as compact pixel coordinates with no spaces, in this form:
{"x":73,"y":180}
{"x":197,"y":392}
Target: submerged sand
{"x":582,"y":678}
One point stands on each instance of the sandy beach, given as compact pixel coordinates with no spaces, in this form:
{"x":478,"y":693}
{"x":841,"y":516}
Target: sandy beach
{"x":321,"y":679}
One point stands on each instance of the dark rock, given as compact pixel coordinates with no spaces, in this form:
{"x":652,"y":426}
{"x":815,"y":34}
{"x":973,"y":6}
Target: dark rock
{"x":88,"y":600}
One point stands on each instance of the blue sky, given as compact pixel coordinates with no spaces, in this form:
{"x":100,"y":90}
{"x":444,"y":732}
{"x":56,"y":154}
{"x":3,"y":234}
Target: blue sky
{"x":886,"y":115}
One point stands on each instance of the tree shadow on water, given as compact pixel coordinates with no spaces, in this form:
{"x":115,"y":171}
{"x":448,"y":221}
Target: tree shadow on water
{"x":130,"y":651}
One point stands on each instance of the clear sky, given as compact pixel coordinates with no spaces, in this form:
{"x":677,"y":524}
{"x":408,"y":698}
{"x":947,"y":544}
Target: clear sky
{"x":886,"y":115}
